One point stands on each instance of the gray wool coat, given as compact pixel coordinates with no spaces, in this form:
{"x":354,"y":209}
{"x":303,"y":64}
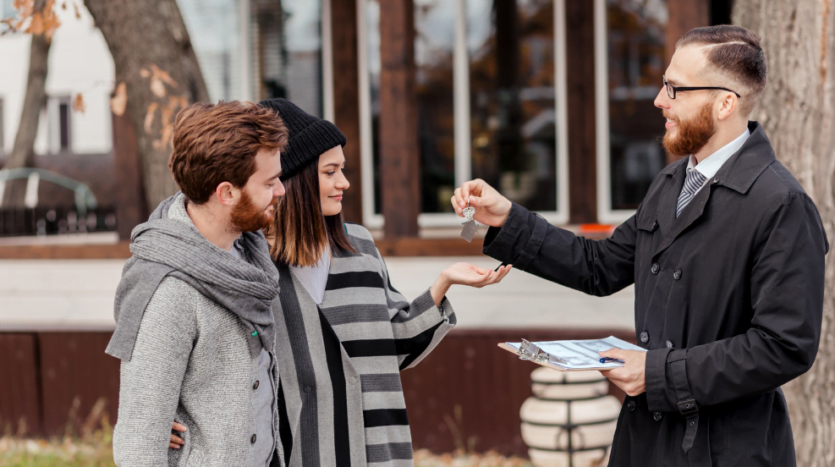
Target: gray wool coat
{"x":191,"y":363}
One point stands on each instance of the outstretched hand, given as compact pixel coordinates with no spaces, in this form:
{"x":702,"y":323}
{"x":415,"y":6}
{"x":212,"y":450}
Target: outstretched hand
{"x":465,"y":274}
{"x":491,"y":208}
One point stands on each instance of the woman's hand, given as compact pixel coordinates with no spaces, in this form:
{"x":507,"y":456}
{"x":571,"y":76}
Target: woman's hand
{"x":177,"y":442}
{"x":465,"y":274}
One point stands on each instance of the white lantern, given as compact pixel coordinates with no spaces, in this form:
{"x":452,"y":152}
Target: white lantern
{"x":570,"y":419}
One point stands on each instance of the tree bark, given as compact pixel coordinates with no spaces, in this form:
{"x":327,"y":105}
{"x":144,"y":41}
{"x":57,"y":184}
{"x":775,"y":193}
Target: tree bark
{"x":153,"y":56}
{"x":23,"y":151}
{"x":797,"y":114}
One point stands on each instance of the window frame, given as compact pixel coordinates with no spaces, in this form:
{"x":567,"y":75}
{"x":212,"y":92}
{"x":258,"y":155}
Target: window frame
{"x":461,"y":110}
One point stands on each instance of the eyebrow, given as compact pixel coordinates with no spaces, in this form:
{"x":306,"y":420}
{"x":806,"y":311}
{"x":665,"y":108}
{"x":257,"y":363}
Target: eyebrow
{"x":278,"y":175}
{"x":333,"y":164}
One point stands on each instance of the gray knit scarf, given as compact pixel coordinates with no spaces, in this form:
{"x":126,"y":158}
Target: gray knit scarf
{"x":170,"y":245}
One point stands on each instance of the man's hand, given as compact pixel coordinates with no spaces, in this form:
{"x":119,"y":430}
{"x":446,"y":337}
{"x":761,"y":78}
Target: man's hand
{"x":491,"y":208}
{"x":177,"y":442}
{"x":631,"y":377}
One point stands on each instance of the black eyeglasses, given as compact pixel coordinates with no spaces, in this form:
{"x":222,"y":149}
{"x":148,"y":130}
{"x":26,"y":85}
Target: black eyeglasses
{"x":671,"y":90}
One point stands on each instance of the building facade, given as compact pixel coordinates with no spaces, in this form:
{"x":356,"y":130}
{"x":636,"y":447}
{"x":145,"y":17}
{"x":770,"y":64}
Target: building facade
{"x":550,"y":101}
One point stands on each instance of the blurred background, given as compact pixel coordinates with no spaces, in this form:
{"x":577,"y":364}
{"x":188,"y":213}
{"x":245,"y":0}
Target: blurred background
{"x":550,"y":101}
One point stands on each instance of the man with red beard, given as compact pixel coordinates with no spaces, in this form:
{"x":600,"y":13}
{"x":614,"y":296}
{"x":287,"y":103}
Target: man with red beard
{"x":194,"y":325}
{"x":726,"y":253}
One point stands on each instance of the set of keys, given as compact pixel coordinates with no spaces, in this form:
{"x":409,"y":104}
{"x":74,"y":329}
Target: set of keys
{"x":470,"y":225}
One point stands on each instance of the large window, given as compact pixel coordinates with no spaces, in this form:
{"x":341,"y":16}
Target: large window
{"x":287,"y":49}
{"x":631,"y":38}
{"x":215,"y":27}
{"x":490,"y":89}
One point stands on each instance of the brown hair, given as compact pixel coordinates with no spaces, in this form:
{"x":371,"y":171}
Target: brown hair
{"x":218,"y":143}
{"x":300,"y":231}
{"x":736,"y":53}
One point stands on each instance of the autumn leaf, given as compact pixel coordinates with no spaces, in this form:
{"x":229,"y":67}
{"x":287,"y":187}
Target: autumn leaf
{"x":78,"y":104}
{"x":149,"y":116}
{"x":119,"y":101}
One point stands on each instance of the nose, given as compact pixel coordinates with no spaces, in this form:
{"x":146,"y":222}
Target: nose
{"x":662,"y":100}
{"x":279,"y":189}
{"x":342,"y":182}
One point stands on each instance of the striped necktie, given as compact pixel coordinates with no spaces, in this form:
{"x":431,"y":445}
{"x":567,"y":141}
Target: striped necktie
{"x":692,"y":182}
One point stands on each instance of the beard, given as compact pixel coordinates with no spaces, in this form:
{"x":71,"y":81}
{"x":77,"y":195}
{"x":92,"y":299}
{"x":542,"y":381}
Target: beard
{"x":246,"y":217}
{"x":693,"y":134}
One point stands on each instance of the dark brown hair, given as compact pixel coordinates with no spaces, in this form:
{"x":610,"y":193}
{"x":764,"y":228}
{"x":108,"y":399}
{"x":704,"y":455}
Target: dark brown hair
{"x":300,"y":231}
{"x":218,"y":143}
{"x":737,"y":54}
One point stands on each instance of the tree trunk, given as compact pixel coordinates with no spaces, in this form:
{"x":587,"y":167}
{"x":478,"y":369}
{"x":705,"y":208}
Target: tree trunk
{"x":153,"y":56}
{"x":23,"y":151}
{"x":797,"y":114}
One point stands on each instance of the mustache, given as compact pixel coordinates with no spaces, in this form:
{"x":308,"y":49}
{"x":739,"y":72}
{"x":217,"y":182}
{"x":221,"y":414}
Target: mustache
{"x":668,"y":115}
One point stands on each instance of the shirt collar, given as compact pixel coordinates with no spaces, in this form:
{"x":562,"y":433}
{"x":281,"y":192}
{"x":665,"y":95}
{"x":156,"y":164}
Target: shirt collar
{"x":712,"y":163}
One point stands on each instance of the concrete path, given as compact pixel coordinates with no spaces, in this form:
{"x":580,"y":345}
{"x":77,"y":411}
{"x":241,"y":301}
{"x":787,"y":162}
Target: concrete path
{"x":78,"y":295}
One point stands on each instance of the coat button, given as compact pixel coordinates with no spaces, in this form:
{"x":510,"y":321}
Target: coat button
{"x":255,"y":386}
{"x":252,"y":440}
{"x":631,"y":406}
{"x":657,"y":416}
{"x":644,"y":337}
{"x":655,"y":268}
{"x":677,"y":274}
{"x":669,"y":345}
{"x":654,"y":225}
{"x":692,"y":423}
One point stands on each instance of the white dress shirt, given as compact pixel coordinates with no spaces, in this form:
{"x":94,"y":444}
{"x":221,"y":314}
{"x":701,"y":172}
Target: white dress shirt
{"x":712,"y":163}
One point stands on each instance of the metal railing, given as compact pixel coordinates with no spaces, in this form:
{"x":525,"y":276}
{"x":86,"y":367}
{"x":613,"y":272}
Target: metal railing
{"x":42,"y":221}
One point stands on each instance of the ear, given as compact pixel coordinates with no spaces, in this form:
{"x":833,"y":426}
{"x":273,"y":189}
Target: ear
{"x":727,"y":106}
{"x":227,"y":194}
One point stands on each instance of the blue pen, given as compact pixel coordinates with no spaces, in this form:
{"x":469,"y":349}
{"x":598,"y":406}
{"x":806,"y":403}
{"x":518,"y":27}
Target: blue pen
{"x":610,"y":360}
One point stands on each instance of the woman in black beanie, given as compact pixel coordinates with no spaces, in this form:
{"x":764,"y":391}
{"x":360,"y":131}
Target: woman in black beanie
{"x":343,"y":332}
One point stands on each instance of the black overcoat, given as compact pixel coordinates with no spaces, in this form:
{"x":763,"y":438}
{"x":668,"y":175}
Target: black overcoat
{"x":728,"y":303}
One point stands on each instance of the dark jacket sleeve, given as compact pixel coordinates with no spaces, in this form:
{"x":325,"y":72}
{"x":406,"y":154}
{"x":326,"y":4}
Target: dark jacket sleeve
{"x":596,"y":267}
{"x":787,"y":282}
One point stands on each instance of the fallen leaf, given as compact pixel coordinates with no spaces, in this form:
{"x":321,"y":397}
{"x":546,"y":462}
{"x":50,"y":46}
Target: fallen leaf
{"x":119,"y":101}
{"x":78,"y":104}
{"x":149,"y":117}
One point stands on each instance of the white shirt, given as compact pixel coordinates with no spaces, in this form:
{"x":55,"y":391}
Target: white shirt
{"x":712,"y":163}
{"x":315,"y":278}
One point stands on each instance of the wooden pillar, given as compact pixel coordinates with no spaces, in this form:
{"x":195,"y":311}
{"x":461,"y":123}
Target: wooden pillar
{"x":346,"y":99}
{"x":399,"y":156}
{"x":131,"y":205}
{"x":684,"y":15}
{"x":582,"y":143}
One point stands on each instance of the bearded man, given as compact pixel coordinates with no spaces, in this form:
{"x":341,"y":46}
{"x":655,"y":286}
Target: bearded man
{"x":195,"y":329}
{"x":726,"y":253}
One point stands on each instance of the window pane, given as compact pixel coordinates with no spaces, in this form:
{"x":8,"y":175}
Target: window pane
{"x":512,"y":98}
{"x":64,"y":125}
{"x":372,"y":24}
{"x":214,"y":29}
{"x":636,"y":39}
{"x":288,"y":51}
{"x":434,"y":44}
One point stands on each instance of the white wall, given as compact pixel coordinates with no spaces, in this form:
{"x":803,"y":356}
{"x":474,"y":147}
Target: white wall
{"x":79,"y":62}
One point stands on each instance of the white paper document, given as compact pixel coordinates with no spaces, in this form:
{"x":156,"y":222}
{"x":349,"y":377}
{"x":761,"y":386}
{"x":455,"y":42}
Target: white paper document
{"x":572,"y":355}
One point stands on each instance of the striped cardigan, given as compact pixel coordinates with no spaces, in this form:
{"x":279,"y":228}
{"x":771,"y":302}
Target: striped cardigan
{"x":340,"y":398}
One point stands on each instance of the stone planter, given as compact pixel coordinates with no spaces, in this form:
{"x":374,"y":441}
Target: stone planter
{"x":570,"y":419}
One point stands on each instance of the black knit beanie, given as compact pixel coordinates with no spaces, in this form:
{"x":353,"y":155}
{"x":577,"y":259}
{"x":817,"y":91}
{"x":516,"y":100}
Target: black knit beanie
{"x":310,"y":136}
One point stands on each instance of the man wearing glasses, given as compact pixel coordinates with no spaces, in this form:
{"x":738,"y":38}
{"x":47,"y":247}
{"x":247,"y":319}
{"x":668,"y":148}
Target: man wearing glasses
{"x":726,"y":252}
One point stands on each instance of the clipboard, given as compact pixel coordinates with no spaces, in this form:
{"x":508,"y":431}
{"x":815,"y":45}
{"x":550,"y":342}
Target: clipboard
{"x":577,"y":355}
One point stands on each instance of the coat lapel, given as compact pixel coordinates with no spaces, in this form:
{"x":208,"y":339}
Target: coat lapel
{"x":672,"y":226}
